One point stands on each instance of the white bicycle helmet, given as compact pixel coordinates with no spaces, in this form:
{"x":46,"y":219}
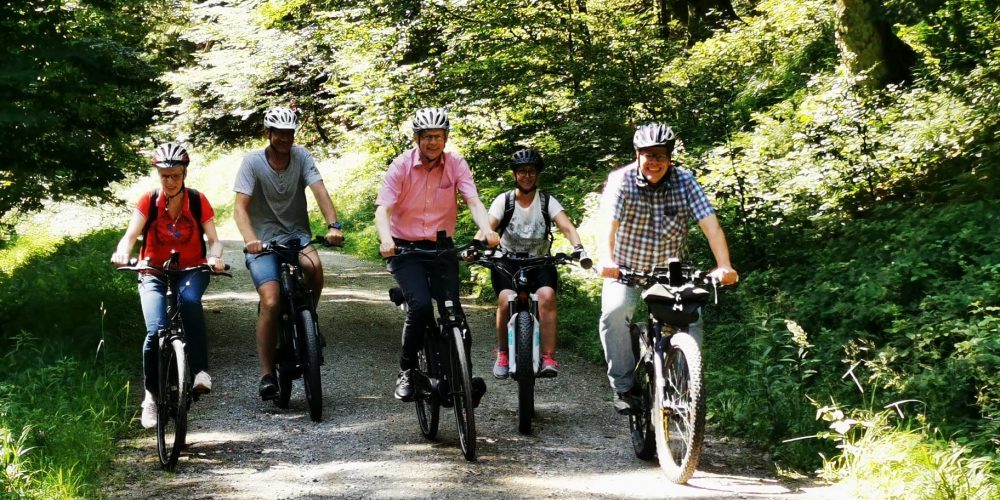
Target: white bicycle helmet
{"x":654,"y":134}
{"x":281,"y":118}
{"x":430,"y":118}
{"x":170,"y":155}
{"x":526,"y":156}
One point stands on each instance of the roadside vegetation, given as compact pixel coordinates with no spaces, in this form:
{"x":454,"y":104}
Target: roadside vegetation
{"x":858,"y":187}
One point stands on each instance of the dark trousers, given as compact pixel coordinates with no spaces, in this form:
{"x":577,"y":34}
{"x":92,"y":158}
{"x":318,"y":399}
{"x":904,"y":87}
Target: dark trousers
{"x":423,"y":280}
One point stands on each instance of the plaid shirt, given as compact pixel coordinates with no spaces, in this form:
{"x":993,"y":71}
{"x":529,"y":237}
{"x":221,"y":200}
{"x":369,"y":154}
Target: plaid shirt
{"x":653,"y":220}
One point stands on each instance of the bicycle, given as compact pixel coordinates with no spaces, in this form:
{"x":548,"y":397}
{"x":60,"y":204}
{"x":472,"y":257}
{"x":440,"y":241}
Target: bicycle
{"x":524,"y":327}
{"x":174,"y":394}
{"x":299,"y":350}
{"x":670,"y":418}
{"x":443,"y":376}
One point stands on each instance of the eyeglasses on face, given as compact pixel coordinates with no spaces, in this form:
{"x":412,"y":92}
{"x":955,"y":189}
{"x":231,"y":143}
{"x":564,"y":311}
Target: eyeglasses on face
{"x":432,"y":137}
{"x":655,"y":157}
{"x":526,"y":172}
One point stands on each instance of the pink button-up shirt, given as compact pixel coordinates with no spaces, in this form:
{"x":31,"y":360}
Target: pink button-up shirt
{"x":423,"y":200}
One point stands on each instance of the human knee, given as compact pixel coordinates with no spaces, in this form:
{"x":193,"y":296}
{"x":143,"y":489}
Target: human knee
{"x":546,"y":298}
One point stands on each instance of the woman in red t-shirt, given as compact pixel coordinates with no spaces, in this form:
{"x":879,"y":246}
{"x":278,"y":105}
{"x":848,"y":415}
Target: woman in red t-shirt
{"x":174,"y":227}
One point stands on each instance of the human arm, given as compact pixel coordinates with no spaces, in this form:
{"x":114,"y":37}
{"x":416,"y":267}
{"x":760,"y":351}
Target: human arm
{"x":723,"y":271}
{"x":607,"y":267}
{"x":123,"y":252}
{"x":214,"y":252}
{"x":483,"y":220}
{"x":241,"y":214}
{"x":333,"y":236}
{"x":387,"y":246}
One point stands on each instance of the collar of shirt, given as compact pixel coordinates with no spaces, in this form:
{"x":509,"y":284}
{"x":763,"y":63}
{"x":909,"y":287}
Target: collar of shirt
{"x":418,"y":160}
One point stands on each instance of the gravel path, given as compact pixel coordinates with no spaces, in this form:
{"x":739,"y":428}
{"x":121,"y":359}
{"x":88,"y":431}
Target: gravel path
{"x":369,"y":445}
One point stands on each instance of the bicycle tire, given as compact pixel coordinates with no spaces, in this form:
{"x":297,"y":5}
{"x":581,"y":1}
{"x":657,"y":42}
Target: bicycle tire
{"x":285,"y":378}
{"x":525,"y":373}
{"x":173,"y":403}
{"x":310,"y":364}
{"x":428,"y":407}
{"x":461,"y":390}
{"x":640,"y":424}
{"x":680,"y":432}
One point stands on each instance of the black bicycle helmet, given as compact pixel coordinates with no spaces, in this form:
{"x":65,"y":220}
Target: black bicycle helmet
{"x":170,"y":155}
{"x":526,"y":156}
{"x":654,"y":134}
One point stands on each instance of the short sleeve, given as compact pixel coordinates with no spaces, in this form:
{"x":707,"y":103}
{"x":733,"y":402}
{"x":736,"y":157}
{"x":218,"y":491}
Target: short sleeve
{"x":207,"y":212}
{"x":245,"y":179}
{"x":142,"y":206}
{"x":696,"y":199}
{"x":310,"y":173}
{"x":498,"y":205}
{"x":391,"y":186}
{"x":555,"y":208}
{"x":463,"y":180}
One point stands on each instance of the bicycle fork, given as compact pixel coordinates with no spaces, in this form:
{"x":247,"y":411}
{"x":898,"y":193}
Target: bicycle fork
{"x":536,"y":335}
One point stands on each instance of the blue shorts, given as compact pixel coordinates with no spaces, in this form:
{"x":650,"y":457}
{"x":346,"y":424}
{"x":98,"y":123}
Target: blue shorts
{"x":264,"y":266}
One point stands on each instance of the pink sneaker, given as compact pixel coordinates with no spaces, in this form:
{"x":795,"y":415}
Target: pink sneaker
{"x":501,"y":369}
{"x":550,"y":367}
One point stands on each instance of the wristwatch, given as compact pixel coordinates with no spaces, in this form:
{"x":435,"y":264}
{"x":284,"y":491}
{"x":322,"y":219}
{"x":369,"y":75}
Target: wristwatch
{"x":334,"y":225}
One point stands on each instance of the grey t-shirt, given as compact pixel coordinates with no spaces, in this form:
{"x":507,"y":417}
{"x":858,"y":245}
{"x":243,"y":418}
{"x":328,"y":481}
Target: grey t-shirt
{"x":277,"y":199}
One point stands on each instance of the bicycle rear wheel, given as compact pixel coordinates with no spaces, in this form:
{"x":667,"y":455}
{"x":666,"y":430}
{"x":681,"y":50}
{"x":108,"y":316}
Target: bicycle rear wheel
{"x":461,"y":390}
{"x":428,"y":407}
{"x":525,"y":373}
{"x":310,"y":364}
{"x":679,"y":408}
{"x":640,"y":425}
{"x":173,"y":402}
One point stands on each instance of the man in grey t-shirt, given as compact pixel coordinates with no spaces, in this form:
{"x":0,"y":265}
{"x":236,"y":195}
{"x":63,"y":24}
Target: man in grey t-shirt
{"x":271,"y":205}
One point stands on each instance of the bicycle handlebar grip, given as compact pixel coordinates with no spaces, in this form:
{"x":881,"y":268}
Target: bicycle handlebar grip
{"x":586,"y":262}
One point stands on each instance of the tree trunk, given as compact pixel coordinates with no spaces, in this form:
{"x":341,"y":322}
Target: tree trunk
{"x":866,"y":43}
{"x":700,"y":17}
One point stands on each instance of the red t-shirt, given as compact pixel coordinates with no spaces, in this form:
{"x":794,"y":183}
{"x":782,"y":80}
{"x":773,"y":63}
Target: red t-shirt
{"x":167,"y":234}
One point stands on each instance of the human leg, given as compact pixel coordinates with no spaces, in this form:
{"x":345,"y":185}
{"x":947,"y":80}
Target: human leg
{"x":617,"y":307}
{"x":152,"y":298}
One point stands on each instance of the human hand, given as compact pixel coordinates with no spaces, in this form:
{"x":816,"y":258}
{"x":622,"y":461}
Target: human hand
{"x":120,"y":259}
{"x":334,"y":237}
{"x":725,"y":275}
{"x":609,"y":269}
{"x":254,"y":246}
{"x":492,"y":239}
{"x":387,"y":249}
{"x":217,"y":264}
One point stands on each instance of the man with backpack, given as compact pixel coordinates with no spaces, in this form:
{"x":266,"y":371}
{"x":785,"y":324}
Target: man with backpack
{"x":523,"y":218}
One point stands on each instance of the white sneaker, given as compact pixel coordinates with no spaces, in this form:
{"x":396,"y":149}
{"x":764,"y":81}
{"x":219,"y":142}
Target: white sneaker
{"x":202,"y":382}
{"x":148,"y":418}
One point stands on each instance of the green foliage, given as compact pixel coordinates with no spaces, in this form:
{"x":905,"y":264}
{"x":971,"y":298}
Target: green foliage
{"x":75,"y":93}
{"x":63,"y":390}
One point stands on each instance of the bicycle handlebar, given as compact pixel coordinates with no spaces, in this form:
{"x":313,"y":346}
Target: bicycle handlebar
{"x":138,"y":266}
{"x":674,"y":275}
{"x":490,"y":258}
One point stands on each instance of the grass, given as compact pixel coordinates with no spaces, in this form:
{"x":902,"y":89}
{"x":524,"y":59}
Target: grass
{"x":64,"y":390}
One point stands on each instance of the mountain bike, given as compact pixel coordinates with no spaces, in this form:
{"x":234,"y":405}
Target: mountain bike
{"x":174,"y":394}
{"x":524,"y":327}
{"x":668,"y":416}
{"x":299,"y":350}
{"x":444,"y":374}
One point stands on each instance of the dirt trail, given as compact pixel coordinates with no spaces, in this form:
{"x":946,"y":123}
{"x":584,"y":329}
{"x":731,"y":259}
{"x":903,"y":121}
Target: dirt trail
{"x":369,"y":444}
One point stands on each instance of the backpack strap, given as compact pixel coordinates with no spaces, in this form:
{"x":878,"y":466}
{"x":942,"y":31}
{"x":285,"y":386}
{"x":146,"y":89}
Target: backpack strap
{"x":508,"y":212}
{"x":153,"y":213}
{"x":544,"y":200}
{"x":194,"y":200}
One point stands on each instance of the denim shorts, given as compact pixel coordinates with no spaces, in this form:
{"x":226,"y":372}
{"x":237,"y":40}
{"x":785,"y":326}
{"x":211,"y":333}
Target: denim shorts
{"x":264,"y":266}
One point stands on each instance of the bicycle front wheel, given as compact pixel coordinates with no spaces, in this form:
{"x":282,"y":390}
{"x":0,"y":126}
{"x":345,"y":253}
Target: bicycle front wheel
{"x":461,"y":391}
{"x":172,"y":403}
{"x":679,"y":408}
{"x":640,"y":425}
{"x":428,"y":407}
{"x":310,"y":364}
{"x":525,"y":373}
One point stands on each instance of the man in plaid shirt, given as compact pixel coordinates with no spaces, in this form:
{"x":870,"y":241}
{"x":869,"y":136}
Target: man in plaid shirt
{"x":646,"y":207}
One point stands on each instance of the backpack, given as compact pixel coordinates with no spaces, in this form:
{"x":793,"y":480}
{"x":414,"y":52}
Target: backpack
{"x":194,"y":199}
{"x":508,"y":212}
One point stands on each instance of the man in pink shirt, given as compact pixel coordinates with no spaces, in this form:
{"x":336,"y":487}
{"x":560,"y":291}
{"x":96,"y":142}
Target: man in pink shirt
{"x":418,"y":199}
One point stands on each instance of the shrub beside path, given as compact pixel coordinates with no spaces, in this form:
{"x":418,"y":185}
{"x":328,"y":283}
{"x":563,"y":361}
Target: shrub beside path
{"x":369,"y":444}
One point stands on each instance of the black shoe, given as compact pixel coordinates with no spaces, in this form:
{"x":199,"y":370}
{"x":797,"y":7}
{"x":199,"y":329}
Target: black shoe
{"x":268,"y":387}
{"x":404,"y":386}
{"x":623,"y":403}
{"x":478,"y":389}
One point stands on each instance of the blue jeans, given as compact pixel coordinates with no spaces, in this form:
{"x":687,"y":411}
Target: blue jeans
{"x":618,"y":303}
{"x":152,"y":295}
